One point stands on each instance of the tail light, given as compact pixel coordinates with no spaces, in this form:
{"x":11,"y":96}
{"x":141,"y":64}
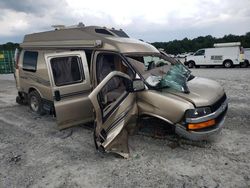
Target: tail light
{"x":16,"y":58}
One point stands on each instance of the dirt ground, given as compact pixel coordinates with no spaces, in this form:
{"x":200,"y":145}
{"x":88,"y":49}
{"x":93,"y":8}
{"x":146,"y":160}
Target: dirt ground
{"x":33,"y":153}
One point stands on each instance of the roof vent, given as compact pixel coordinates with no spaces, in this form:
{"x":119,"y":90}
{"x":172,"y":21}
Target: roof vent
{"x":103,"y":31}
{"x":80,"y":24}
{"x":58,"y":27}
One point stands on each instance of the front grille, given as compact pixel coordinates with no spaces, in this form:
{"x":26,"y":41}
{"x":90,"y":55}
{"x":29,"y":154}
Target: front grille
{"x":221,"y":116}
{"x":218,"y":103}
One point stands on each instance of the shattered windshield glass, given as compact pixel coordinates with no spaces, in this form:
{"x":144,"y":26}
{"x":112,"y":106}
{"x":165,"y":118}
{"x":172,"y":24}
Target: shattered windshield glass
{"x":176,"y":78}
{"x":161,"y":71}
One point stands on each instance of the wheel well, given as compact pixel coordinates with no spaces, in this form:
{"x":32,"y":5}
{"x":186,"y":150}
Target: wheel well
{"x":228,"y":60}
{"x":31,"y":89}
{"x":34,"y":89}
{"x":155,"y":126}
{"x":156,"y":117}
{"x":191,"y":61}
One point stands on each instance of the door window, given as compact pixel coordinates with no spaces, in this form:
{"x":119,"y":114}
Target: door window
{"x":67,"y":70}
{"x":107,"y":63}
{"x":199,"y":53}
{"x":114,"y":88}
{"x":112,"y":93}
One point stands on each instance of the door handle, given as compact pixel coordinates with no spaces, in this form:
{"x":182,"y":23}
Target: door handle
{"x":57,"y":95}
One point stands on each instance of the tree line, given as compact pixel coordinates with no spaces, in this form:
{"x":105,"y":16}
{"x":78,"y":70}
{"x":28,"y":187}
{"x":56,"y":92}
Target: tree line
{"x":191,"y":45}
{"x":9,"y":46}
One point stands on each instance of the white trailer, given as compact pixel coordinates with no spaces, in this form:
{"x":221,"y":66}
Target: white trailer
{"x":225,"y":54}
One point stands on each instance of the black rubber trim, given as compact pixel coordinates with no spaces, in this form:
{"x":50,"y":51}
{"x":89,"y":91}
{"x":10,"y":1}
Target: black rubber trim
{"x":118,"y":120}
{"x":74,"y":94}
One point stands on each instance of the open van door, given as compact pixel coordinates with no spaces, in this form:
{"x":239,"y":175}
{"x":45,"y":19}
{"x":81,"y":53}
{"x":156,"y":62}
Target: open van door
{"x":115,"y":106}
{"x":70,"y":84}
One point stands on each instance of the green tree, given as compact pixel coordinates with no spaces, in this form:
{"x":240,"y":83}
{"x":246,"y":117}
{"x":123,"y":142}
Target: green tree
{"x":191,"y":45}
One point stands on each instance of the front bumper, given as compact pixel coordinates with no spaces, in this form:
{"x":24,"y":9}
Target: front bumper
{"x":204,"y":134}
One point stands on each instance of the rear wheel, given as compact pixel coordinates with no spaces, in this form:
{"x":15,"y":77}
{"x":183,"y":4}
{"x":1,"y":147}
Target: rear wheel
{"x":19,"y":100}
{"x":228,"y":64}
{"x":191,"y":64}
{"x":35,"y":103}
{"x":244,"y":64}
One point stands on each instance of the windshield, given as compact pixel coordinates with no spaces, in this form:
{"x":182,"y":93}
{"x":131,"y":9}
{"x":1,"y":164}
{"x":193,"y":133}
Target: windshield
{"x":160,"y":71}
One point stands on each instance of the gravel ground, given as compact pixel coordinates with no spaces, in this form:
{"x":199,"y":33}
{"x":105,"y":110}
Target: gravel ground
{"x":33,"y":153}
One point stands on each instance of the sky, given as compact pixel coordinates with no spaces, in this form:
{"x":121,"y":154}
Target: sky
{"x":150,"y":20}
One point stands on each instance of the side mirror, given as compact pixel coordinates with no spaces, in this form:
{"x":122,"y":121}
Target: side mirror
{"x":138,"y":85}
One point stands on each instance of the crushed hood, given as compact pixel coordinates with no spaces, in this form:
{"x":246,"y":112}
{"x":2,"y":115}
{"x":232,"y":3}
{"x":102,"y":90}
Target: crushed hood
{"x":203,"y":92}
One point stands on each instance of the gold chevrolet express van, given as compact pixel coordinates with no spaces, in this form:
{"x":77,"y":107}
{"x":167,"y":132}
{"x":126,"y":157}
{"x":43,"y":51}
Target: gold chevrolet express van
{"x":82,"y":74}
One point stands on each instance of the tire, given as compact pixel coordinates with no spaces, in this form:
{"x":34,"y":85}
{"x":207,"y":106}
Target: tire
{"x":245,"y":64}
{"x":19,"y":100}
{"x":35,"y":103}
{"x":191,"y":64}
{"x":228,"y":64}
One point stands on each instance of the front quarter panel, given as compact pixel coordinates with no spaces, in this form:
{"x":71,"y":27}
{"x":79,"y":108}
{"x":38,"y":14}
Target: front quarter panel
{"x":167,"y":106}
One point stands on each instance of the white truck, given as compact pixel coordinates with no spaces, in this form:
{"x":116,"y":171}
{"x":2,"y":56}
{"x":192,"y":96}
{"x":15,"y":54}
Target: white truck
{"x":224,"y":54}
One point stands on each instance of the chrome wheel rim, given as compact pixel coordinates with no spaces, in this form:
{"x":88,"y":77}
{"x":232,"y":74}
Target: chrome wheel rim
{"x":227,"y":65}
{"x":34,"y":103}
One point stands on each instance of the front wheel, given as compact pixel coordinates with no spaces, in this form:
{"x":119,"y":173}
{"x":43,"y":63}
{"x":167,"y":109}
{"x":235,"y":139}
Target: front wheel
{"x":35,"y":103}
{"x":191,"y":64}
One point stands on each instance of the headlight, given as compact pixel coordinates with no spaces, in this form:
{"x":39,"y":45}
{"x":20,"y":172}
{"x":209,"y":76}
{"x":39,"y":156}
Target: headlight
{"x":197,"y":112}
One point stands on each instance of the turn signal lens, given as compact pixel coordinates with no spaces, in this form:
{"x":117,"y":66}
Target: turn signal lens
{"x":193,"y":126}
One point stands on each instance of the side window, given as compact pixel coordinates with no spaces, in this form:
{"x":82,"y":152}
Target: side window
{"x":30,"y":61}
{"x":200,"y":52}
{"x":107,"y":63}
{"x":67,"y":70}
{"x":113,"y":92}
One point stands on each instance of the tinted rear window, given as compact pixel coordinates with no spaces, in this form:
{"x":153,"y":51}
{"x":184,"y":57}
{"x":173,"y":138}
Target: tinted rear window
{"x":30,"y":61}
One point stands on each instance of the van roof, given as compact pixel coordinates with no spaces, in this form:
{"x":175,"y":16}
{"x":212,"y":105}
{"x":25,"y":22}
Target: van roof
{"x":93,"y":37}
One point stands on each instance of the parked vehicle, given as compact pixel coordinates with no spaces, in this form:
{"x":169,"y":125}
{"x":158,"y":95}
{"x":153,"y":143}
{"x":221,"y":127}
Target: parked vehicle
{"x":247,"y":55}
{"x":223,"y":54}
{"x":92,"y":73}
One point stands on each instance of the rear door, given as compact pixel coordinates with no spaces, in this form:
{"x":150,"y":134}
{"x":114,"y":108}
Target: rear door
{"x":115,"y":107}
{"x":70,"y":82}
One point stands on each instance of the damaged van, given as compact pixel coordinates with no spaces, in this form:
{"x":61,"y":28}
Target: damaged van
{"x":87,"y":73}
